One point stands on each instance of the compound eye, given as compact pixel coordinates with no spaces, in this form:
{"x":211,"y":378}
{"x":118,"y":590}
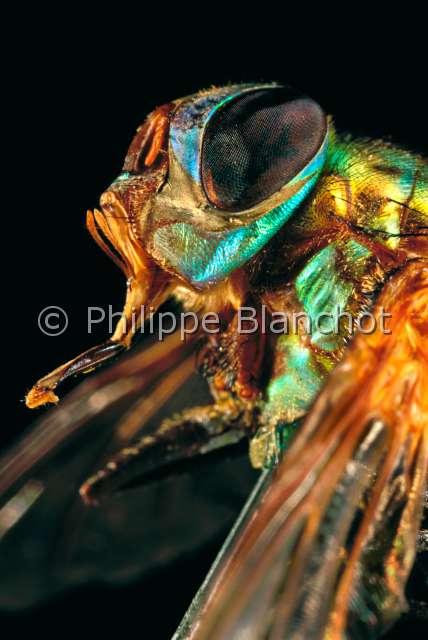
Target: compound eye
{"x":256,"y":143}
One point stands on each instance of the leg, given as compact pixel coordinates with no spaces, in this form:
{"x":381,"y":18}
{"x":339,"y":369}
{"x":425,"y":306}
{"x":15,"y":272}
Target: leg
{"x":233,"y":360}
{"x":194,"y":431}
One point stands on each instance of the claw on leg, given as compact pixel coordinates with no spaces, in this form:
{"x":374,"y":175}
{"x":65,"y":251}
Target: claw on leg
{"x":43,"y":391}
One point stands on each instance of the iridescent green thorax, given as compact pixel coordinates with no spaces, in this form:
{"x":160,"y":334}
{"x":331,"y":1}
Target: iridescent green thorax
{"x":382,"y":192}
{"x":326,"y":290}
{"x":378,"y":187}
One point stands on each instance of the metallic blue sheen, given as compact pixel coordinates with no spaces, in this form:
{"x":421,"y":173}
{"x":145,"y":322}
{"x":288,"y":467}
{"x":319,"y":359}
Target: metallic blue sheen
{"x":289,"y":395}
{"x":187,"y":127}
{"x":204,"y":258}
{"x":324,"y":291}
{"x":125,"y":175}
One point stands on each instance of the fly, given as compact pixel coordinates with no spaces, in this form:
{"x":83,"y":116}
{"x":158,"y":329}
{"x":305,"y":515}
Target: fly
{"x":245,"y":197}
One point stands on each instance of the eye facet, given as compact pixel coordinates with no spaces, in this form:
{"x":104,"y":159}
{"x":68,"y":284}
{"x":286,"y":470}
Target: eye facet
{"x":256,"y":144}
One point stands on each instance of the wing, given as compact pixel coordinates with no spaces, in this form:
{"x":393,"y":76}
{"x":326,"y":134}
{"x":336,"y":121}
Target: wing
{"x":49,"y":540}
{"x":327,"y":549}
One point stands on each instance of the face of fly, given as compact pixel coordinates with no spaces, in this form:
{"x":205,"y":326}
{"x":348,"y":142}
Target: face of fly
{"x":207,"y":181}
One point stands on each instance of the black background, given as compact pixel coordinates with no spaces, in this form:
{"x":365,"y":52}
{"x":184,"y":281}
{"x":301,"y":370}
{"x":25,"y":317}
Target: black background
{"x":75,"y":91}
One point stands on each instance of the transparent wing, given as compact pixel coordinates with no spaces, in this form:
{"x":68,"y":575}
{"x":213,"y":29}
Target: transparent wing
{"x":49,"y":540}
{"x":328,"y":544}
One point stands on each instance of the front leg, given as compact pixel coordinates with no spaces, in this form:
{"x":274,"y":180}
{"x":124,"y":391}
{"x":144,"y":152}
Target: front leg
{"x":233,"y":361}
